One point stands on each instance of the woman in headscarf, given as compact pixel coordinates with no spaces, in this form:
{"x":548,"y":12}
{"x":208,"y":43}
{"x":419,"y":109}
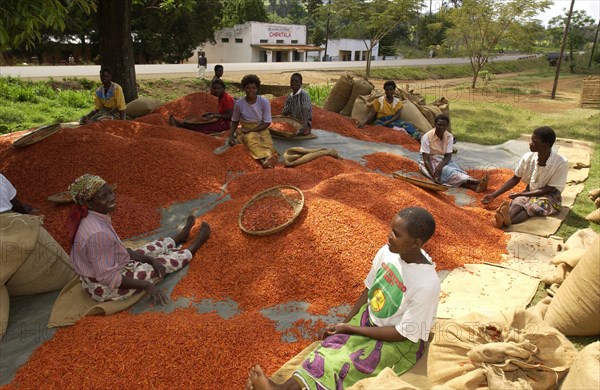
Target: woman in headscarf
{"x":108,"y":271}
{"x":253,"y":112}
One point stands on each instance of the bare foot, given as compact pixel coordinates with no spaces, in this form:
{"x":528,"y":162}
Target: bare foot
{"x":483,"y":183}
{"x":504,"y":210}
{"x":184,"y":233}
{"x":257,"y":380}
{"x":201,"y":238}
{"x":270,"y":162}
{"x":498,"y":219}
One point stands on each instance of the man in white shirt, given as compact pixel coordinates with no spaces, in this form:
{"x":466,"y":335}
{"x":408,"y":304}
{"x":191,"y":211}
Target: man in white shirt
{"x":545,"y":174}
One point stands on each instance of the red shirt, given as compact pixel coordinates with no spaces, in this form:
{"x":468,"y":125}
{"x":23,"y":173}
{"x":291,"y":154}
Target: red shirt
{"x":226,"y":103}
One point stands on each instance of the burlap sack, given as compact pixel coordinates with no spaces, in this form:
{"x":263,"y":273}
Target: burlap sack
{"x":430,"y":112}
{"x":298,"y":156}
{"x":540,"y":309}
{"x":141,"y":106}
{"x":510,"y":350}
{"x":581,"y":239}
{"x":359,"y":87}
{"x":570,"y":257}
{"x":4,"y":309}
{"x":386,"y":379}
{"x":594,"y":216}
{"x":410,"y":113}
{"x":585,"y":371}
{"x":574,"y":308}
{"x":47,"y":268}
{"x":74,"y":303}
{"x":363,"y":104}
{"x":17,"y":242}
{"x":338,"y":97}
{"x":593,"y":194}
{"x":443,"y":104}
{"x":557,"y":275}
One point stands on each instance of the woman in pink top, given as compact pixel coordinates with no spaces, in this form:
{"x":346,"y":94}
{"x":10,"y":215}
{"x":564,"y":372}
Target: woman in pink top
{"x":107,"y":270}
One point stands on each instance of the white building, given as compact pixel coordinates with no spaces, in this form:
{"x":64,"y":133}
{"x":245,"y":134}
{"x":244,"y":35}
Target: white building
{"x":349,"y":50}
{"x":259,"y":42}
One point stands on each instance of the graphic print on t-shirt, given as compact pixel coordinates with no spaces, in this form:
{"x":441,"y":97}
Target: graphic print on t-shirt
{"x":387,"y":291}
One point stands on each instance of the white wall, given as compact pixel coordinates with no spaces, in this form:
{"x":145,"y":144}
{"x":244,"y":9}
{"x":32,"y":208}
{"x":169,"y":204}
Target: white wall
{"x":338,"y":48}
{"x":234,"y":44}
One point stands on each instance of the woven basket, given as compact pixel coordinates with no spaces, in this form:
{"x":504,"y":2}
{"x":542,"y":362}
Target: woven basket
{"x":285,"y":119}
{"x":296,"y":204}
{"x":423,"y":183}
{"x":36,"y":135}
{"x":61,"y":197}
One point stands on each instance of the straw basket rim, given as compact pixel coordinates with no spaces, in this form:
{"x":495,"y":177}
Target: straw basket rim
{"x":297,"y":205}
{"x":285,"y":119}
{"x":36,"y":135}
{"x":61,"y":197}
{"x":426,"y":184}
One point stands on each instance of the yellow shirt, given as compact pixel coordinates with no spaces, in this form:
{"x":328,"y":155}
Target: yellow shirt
{"x":384,"y":108}
{"x":112,"y":98}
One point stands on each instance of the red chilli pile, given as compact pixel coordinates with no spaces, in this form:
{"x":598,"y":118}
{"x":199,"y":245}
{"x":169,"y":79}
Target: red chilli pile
{"x":322,"y":258}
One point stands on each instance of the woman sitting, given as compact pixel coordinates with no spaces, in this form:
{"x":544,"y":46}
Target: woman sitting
{"x":253,"y":112}
{"x":436,"y":162}
{"x":390,"y":322}
{"x":107,"y":270}
{"x":223,"y":117}
{"x":387,"y":110}
{"x":298,"y":105}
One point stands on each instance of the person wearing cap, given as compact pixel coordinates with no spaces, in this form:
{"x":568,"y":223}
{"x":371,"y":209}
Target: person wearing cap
{"x":107,"y":270}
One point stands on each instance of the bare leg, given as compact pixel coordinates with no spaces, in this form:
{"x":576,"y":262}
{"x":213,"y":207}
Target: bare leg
{"x":518,"y":214}
{"x":201,"y":238}
{"x":184,"y":233}
{"x":505,"y":211}
{"x":257,"y":380}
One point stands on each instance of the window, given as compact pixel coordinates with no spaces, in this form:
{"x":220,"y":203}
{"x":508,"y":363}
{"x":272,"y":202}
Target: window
{"x":225,"y":40}
{"x":239,"y":40}
{"x":279,"y":41}
{"x":294,"y":41}
{"x":264,"y":41}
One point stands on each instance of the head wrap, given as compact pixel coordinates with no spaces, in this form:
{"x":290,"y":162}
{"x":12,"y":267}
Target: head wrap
{"x":85,"y":187}
{"x":82,"y":190}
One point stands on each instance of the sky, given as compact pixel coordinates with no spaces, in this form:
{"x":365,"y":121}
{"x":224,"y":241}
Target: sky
{"x":592,"y":7}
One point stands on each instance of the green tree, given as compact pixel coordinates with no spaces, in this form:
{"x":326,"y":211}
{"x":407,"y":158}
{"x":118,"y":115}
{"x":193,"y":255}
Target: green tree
{"x":22,"y":21}
{"x":431,"y":28}
{"x":479,"y":26}
{"x":170,"y":34}
{"x":371,"y":20}
{"x":581,"y":30}
{"x":242,"y":11}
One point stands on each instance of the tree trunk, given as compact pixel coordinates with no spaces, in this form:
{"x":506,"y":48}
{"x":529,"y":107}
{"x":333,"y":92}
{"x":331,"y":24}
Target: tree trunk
{"x":476,"y":68}
{"x":116,"y":45}
{"x":368,"y":71}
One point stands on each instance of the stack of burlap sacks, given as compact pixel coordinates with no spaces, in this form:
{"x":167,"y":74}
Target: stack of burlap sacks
{"x":354,"y":97}
{"x":528,"y":349}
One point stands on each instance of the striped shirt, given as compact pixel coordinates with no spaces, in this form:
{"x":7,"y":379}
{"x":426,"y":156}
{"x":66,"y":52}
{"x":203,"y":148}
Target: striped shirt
{"x":98,"y":252}
{"x":298,"y":105}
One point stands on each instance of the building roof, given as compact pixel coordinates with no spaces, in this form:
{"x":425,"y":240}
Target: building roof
{"x":289,"y":47}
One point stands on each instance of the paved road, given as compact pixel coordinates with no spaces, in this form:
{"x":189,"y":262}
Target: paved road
{"x":182,"y":69}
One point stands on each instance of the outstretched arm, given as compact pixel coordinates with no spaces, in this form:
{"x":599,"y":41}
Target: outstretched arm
{"x":539,"y":192}
{"x":510,"y":183}
{"x":383,"y":333}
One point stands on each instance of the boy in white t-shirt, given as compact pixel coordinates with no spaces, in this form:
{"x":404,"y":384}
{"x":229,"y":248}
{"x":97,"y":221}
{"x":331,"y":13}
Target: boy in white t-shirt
{"x":545,"y":174}
{"x":388,"y":325}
